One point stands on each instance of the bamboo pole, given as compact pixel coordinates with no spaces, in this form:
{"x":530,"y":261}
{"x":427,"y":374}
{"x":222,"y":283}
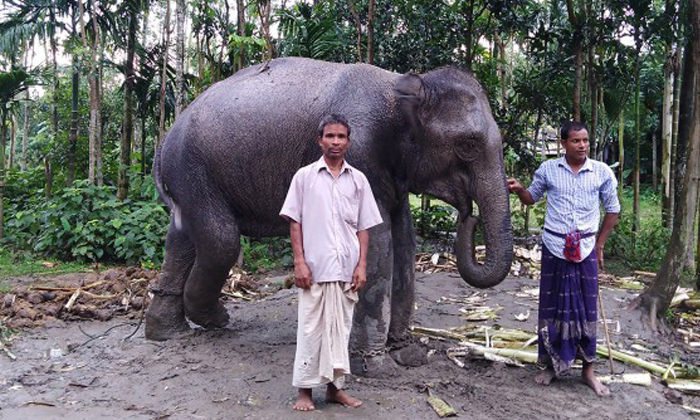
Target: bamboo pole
{"x":607,"y":333}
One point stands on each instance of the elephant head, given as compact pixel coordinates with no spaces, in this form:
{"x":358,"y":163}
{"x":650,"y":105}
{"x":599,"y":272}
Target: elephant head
{"x":454,"y":152}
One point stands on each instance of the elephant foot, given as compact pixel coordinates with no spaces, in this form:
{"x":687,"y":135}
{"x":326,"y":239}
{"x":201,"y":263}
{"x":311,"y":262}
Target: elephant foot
{"x":209,"y":318}
{"x":381,"y":366}
{"x":412,"y":355}
{"x":165,"y":319}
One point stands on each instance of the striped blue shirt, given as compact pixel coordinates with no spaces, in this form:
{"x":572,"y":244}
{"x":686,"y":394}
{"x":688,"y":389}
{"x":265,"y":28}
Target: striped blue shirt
{"x":573,"y":200}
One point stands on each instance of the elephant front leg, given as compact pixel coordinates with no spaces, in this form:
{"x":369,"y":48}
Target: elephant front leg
{"x":165,"y":317}
{"x":404,"y":349}
{"x":371,"y":321}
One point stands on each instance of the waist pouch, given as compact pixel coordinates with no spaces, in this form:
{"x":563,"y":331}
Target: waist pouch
{"x":572,"y":244}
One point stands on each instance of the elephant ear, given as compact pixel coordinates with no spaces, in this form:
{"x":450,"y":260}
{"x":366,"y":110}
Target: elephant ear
{"x":411,"y":94}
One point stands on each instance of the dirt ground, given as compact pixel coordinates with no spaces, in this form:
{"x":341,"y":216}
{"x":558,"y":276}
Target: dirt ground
{"x":89,"y":369}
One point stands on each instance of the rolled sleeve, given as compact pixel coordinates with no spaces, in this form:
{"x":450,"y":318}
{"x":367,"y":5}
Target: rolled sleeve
{"x":539,"y":183}
{"x":608,"y":192}
{"x":291,"y":209}
{"x":369,"y":212}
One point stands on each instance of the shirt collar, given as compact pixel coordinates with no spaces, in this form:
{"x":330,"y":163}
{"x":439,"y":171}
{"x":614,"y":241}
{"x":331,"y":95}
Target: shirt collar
{"x":587,"y":165}
{"x":321,"y":164}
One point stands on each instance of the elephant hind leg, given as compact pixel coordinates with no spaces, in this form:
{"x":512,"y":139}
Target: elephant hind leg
{"x":217,"y":241}
{"x":165,"y":317}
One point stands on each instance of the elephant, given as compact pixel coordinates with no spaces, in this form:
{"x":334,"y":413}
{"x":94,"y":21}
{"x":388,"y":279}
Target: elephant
{"x":226,"y":164}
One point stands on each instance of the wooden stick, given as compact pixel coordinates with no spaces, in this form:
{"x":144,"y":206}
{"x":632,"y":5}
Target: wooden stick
{"x":605,"y":328}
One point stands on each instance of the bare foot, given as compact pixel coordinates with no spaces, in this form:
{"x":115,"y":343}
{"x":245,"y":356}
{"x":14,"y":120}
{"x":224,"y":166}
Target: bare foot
{"x":545,"y":377}
{"x":335,"y":395}
{"x":588,"y":377}
{"x":304,"y":402}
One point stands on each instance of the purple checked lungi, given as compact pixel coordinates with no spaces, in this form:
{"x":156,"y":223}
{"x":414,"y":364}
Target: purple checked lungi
{"x":568,"y":311}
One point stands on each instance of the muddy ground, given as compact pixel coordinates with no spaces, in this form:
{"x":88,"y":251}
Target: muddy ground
{"x":89,"y":369}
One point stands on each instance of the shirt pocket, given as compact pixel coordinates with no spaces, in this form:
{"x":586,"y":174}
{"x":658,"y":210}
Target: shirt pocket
{"x":350,"y":208}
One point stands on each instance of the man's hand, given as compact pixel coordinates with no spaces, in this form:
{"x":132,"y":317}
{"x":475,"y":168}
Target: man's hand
{"x":359,"y":278}
{"x":514,"y":186}
{"x":302,"y":274}
{"x":599,"y":254}
{"x":523,"y":194}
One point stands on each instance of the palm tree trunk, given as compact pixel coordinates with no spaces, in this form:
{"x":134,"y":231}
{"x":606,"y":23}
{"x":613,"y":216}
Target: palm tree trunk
{"x":685,"y":113}
{"x":25,"y":132}
{"x":13,"y":140}
{"x":674,"y":133}
{"x":3,"y":135}
{"x":180,"y":57}
{"x":502,"y":71}
{"x":128,"y":125}
{"x":593,"y":89}
{"x":621,"y":152}
{"x":666,"y":137}
{"x":654,"y":162}
{"x":578,"y":57}
{"x":240,"y":28}
{"x":264,"y":9}
{"x":358,"y":25}
{"x":73,"y":134}
{"x":656,"y":299}
{"x":93,"y":80}
{"x":370,"y":32}
{"x":163,"y":76}
{"x":100,"y":80}
{"x":635,"y":225}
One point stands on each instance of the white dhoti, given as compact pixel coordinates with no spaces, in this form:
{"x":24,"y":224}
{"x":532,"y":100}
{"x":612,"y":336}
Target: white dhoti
{"x":325,"y":321}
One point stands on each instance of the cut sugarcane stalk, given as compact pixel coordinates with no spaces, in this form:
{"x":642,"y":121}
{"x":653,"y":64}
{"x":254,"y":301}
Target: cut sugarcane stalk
{"x":477,"y":350}
{"x":691,"y":303}
{"x":436,"y":332}
{"x":500,"y":359}
{"x":643,"y":379}
{"x":684,"y":385}
{"x":624,"y":357}
{"x":678,"y":298}
{"x":440,"y":406}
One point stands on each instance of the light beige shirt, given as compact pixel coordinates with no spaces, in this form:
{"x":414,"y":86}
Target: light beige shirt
{"x":331,"y":211}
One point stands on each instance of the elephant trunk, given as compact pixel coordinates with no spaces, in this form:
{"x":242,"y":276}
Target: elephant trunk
{"x":494,"y":210}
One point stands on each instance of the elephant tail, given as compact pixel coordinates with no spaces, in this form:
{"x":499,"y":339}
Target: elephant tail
{"x":162,"y":187}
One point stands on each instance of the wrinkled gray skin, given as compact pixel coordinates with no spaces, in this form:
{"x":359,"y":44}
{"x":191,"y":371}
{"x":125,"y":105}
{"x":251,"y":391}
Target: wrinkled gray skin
{"x":226,"y":164}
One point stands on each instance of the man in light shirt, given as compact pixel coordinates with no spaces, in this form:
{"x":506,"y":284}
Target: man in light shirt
{"x":568,"y":311}
{"x":330,"y":208}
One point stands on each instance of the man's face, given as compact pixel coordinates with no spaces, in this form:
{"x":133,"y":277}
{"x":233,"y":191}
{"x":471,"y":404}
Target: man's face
{"x":576,"y":145}
{"x":334,"y":142}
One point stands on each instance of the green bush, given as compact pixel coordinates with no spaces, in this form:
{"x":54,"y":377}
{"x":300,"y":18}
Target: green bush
{"x":437,"y":222}
{"x":646,"y":250}
{"x":87,"y":223}
{"x":517,"y":214}
{"x":266,"y":254}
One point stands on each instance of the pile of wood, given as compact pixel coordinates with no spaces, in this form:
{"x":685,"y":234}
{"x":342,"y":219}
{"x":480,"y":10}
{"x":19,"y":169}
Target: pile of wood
{"x":98,"y":296}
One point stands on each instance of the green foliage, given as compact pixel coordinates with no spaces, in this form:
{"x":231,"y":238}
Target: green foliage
{"x":309,"y":31}
{"x":518,"y":214}
{"x":438,"y":221}
{"x":646,"y":249}
{"x":87,"y":223}
{"x":265,"y":254}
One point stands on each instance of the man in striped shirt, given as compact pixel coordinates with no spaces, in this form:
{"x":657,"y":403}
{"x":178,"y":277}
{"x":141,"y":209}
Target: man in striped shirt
{"x":567,"y":316}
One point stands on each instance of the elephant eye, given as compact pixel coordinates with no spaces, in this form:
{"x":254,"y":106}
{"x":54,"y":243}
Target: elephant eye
{"x":466,"y":148}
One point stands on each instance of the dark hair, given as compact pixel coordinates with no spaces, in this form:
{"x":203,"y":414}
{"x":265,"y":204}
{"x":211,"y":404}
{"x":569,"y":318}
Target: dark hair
{"x":333,"y":119}
{"x":570,"y":126}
